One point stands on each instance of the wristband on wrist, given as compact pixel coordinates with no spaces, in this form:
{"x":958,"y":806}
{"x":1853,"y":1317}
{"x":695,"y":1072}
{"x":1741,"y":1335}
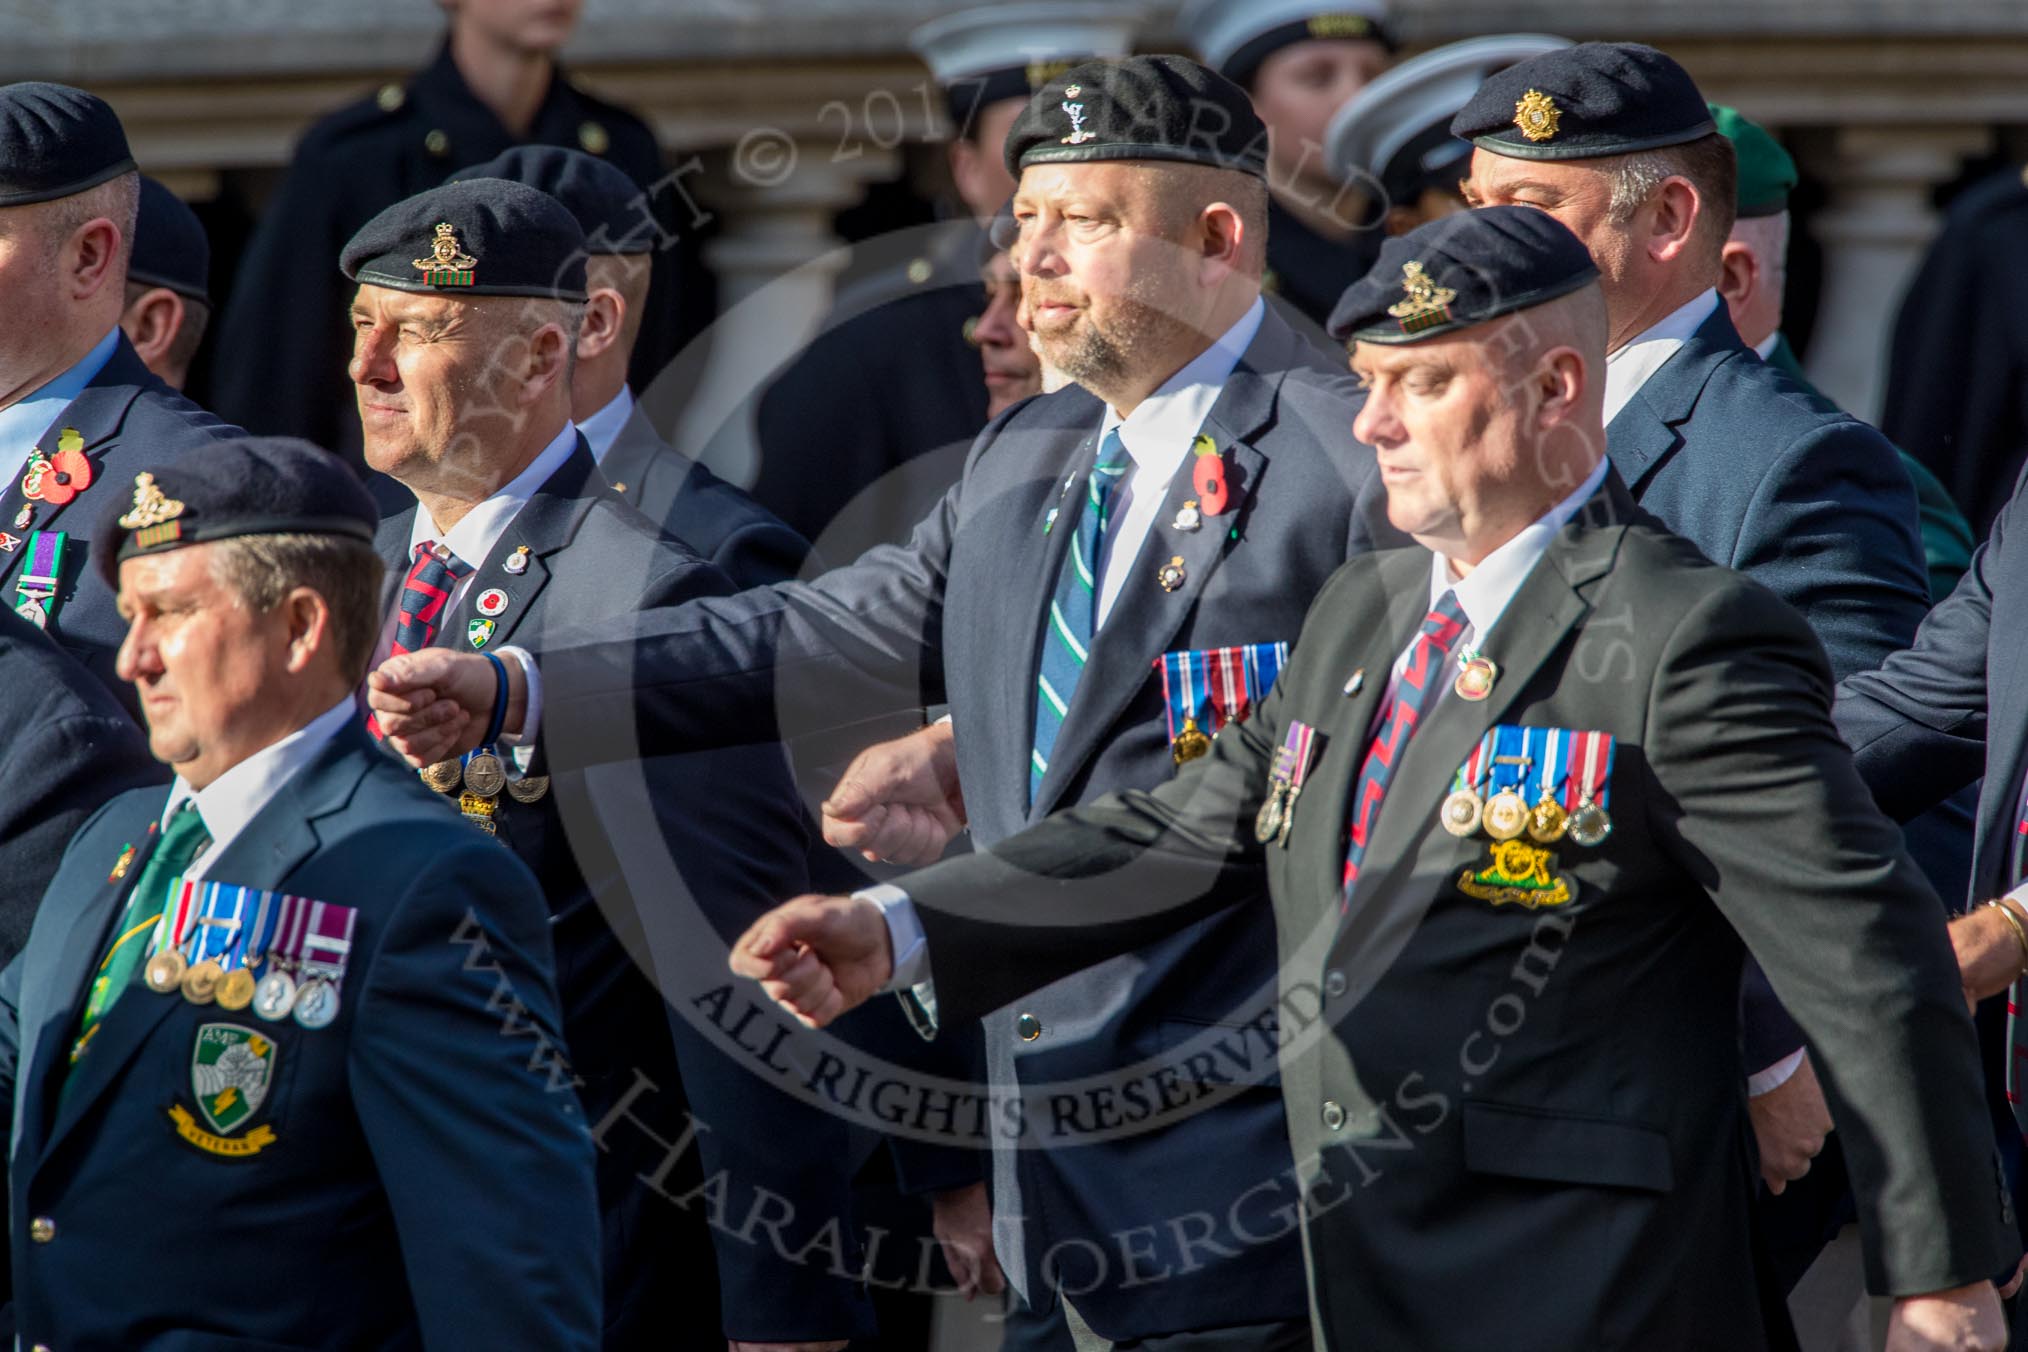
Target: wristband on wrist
{"x":499,"y":719}
{"x":2014,"y":923}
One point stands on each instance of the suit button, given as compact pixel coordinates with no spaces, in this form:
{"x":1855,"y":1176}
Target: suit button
{"x":42,"y":1229}
{"x":1334,"y":983}
{"x":1028,"y":1028}
{"x":1334,"y":1115}
{"x":42,"y":1347}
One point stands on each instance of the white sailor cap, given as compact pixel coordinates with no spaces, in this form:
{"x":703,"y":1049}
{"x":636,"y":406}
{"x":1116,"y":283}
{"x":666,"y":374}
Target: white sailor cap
{"x":983,"y":55}
{"x":1235,"y":36}
{"x":1397,"y":129}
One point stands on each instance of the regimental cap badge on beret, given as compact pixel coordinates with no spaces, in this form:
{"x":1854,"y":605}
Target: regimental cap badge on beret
{"x":1075,"y":110}
{"x":448,"y":263}
{"x":1536,"y":115}
{"x":1340,"y":26}
{"x":1424,"y":304}
{"x":152,"y":506}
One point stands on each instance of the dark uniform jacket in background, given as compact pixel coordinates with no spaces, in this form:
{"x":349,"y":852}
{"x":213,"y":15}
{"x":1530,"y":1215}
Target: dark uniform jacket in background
{"x":1544,"y":1103}
{"x":129,"y":420}
{"x":957,"y":615}
{"x":428,"y":1183}
{"x":284,"y":340}
{"x":720,"y":838}
{"x":69,"y":749}
{"x":1309,"y":272}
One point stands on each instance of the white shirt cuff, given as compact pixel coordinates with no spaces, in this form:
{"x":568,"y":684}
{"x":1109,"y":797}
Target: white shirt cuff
{"x":1776,"y":1075}
{"x":531,"y":719}
{"x":904,"y":933}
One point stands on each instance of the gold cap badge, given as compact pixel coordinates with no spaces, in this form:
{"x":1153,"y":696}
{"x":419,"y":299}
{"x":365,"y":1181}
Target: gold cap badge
{"x":1078,"y":135}
{"x":151,"y":506}
{"x":1537,"y":115}
{"x":448,"y":264}
{"x":1425,"y":304}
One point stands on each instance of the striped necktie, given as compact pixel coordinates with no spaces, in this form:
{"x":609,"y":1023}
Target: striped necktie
{"x":1073,"y":610}
{"x":425,"y":596}
{"x":182,"y":840}
{"x":1420,"y":678}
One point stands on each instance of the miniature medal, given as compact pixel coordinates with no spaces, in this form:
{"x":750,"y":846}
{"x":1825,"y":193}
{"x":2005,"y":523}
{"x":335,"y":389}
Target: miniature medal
{"x":1190,"y":742}
{"x":1506,"y":815}
{"x":485,"y":775}
{"x":275,"y":995}
{"x":1268,"y":822}
{"x":200,"y":982}
{"x":1589,"y":826}
{"x":165,"y":971}
{"x":528,"y":788}
{"x":1547,"y":821}
{"x":1461,"y":813}
{"x":443,"y":776}
{"x":316,"y":1003}
{"x":236,"y":991}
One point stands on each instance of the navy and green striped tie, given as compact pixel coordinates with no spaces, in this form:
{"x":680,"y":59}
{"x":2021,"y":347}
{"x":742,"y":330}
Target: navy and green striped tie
{"x":1073,"y":610}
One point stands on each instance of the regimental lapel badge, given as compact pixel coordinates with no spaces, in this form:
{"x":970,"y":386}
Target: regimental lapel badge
{"x":1170,"y":575}
{"x":1075,"y":111}
{"x":517,"y":563}
{"x":1188,"y":518}
{"x":1424,"y":304}
{"x":231,"y":1070}
{"x":121,"y":865}
{"x":448,"y":263}
{"x":491,"y":602}
{"x":1537,"y":115}
{"x":478,"y":632}
{"x":152,"y":507}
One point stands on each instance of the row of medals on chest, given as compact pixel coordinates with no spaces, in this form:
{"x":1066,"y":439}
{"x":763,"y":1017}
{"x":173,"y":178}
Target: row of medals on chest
{"x":1507,"y":815}
{"x":478,"y":782}
{"x":314,"y":1001}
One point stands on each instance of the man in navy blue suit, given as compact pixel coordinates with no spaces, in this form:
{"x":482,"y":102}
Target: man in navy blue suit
{"x":79,"y":411}
{"x":1752,"y":467}
{"x":283,"y":1051}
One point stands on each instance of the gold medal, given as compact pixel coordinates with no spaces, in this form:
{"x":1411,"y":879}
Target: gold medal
{"x":1267,"y":823}
{"x":528,"y":788}
{"x":1461,"y":813}
{"x":200,"y":983}
{"x":1506,"y":815}
{"x":1589,"y":826}
{"x":1546,"y":821}
{"x":1475,"y":679}
{"x":237,"y":990}
{"x":443,"y":776}
{"x":485,"y":775}
{"x":1190,"y":742}
{"x":165,"y":971}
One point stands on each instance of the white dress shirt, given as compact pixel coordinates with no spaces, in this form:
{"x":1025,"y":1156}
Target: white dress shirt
{"x":1629,"y":368}
{"x":473,"y":540}
{"x":23,"y":422}
{"x":1157,"y":435}
{"x":236,"y":797}
{"x":1766,"y":346}
{"x":602,"y":428}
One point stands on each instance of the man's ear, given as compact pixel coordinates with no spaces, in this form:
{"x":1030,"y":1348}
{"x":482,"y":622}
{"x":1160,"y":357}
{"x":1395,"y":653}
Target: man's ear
{"x":309,"y":620}
{"x":1738,"y":277}
{"x":90,"y":259}
{"x":1673,"y":217}
{"x":1560,"y":378}
{"x":605,"y":317}
{"x":547,"y":363}
{"x":152,"y":321}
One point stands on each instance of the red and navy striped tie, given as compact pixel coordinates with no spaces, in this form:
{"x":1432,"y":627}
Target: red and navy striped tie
{"x":1420,"y":678}
{"x":425,"y":596}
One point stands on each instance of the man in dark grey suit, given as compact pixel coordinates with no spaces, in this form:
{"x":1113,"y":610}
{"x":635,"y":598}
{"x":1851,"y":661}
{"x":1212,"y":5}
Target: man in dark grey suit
{"x":1513,"y":1080}
{"x":1177,"y":512}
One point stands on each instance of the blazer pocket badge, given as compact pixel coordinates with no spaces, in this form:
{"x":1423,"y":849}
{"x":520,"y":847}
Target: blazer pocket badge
{"x":232,"y":1067}
{"x":1203,"y":689}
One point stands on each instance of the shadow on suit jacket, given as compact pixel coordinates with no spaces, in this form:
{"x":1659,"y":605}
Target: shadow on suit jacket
{"x":1544,"y":1102}
{"x":955,"y":615}
{"x":70,"y":748}
{"x":398,"y":1204}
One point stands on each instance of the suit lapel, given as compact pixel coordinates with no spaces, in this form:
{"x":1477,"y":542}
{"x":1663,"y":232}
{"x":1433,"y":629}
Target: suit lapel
{"x":274,"y":844}
{"x":1646,"y":431}
{"x":97,"y":413}
{"x":50,"y":1021}
{"x":390,"y":541}
{"x":626,"y":463}
{"x":547,"y":523}
{"x":1144,"y":618}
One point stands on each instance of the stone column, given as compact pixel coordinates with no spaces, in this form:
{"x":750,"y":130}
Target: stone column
{"x":1874,"y":230}
{"x":776,"y":260}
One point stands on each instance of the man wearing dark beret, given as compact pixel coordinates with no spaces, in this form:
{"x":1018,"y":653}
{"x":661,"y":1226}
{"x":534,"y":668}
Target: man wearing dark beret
{"x":168,"y":284}
{"x":1109,"y":546}
{"x":1501,"y":1141}
{"x":1615,"y":141}
{"x":495,"y":82}
{"x":78,"y":409}
{"x":274,"y":990}
{"x":1303,"y":60}
{"x":715,"y":519}
{"x":470,"y":301}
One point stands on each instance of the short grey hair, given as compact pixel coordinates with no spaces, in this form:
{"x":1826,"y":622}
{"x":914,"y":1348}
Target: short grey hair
{"x":262,"y":569}
{"x":117,"y":199}
{"x":1634,"y":179}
